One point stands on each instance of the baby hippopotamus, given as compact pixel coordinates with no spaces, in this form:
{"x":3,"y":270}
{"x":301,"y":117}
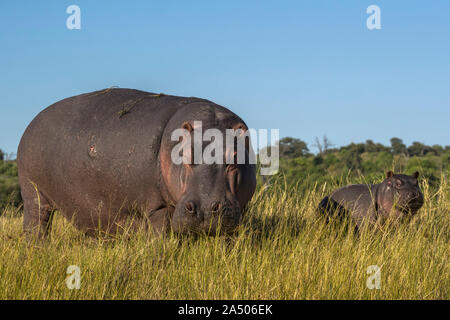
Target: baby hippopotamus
{"x":398,"y":196}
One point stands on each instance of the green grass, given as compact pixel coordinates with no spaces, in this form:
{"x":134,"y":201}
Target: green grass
{"x":283,"y":251}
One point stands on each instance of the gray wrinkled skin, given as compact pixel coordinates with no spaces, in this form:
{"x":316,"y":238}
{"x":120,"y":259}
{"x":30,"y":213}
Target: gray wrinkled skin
{"x":397,"y":197}
{"x":103,"y":158}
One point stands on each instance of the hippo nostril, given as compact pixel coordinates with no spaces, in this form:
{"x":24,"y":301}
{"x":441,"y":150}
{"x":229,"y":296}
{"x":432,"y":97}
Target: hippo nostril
{"x":190,"y":207}
{"x":216,"y":207}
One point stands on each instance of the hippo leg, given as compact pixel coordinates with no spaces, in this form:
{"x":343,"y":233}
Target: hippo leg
{"x":331,"y":209}
{"x":37,"y":211}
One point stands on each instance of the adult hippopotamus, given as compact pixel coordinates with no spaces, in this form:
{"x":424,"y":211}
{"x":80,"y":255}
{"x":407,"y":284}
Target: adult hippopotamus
{"x":102,"y":157}
{"x":396,"y":197}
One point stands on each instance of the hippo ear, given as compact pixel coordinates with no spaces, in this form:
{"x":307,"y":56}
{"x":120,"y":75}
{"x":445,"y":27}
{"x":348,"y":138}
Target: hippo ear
{"x":389,"y":174}
{"x":416,"y":174}
{"x":240,"y":126}
{"x":187,"y":126}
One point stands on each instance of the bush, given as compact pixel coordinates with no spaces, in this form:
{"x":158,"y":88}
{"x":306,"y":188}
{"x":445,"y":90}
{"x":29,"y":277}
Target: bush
{"x":9,"y":184}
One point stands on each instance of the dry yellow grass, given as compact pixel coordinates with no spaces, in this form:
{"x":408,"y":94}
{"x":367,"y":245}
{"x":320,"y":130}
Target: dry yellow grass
{"x":283,"y":251}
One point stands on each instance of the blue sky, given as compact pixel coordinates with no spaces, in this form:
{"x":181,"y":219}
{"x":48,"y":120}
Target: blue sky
{"x":307,"y":68}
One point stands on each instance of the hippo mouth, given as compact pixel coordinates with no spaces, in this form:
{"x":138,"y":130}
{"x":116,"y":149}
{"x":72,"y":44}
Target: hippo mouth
{"x":415,"y":206}
{"x":211,"y":224}
{"x":223,"y":224}
{"x":412,"y":205}
{"x":215,"y":228}
{"x":212,"y":218}
{"x":229,"y":225}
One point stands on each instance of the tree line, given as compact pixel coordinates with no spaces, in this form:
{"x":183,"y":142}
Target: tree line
{"x":300,"y":166}
{"x":9,"y":182}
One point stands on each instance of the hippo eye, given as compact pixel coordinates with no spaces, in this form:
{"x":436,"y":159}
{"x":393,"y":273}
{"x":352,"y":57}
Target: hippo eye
{"x":216,"y":207}
{"x":190,"y":207}
{"x":398,"y":183}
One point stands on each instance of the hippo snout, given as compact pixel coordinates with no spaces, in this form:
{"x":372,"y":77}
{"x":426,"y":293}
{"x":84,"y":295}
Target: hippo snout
{"x":195,"y":216}
{"x":226,"y":211}
{"x":416,"y":201}
{"x":413,"y":195}
{"x":229,"y":216}
{"x":412,"y":201}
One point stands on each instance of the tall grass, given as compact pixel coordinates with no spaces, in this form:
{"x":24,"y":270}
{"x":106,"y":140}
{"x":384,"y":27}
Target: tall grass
{"x":283,"y":250}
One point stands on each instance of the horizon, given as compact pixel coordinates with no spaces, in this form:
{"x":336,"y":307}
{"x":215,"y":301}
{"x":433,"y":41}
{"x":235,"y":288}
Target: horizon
{"x":308,"y":69}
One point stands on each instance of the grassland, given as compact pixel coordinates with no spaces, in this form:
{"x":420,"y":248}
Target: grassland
{"x":283,"y":250}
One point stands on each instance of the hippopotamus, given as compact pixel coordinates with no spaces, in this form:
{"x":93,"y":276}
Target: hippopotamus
{"x":104,"y":157}
{"x":397,"y":197}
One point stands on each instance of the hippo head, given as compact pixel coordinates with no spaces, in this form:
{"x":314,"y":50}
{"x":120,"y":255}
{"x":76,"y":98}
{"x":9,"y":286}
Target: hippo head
{"x":209,"y":200}
{"x":209,"y":197}
{"x":402,"y":192}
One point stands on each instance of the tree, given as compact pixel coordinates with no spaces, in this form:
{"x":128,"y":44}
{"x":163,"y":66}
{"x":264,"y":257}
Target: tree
{"x":324,"y":145}
{"x":351,"y":155}
{"x":292,"y":148}
{"x":354,"y":147}
{"x":318,"y":145}
{"x":418,"y":149}
{"x":375,"y":147}
{"x":9,"y":182}
{"x":437,"y":149}
{"x":370,"y":146}
{"x":398,"y":147}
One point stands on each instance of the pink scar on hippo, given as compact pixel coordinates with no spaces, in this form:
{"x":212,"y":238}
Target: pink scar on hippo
{"x":99,"y":166}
